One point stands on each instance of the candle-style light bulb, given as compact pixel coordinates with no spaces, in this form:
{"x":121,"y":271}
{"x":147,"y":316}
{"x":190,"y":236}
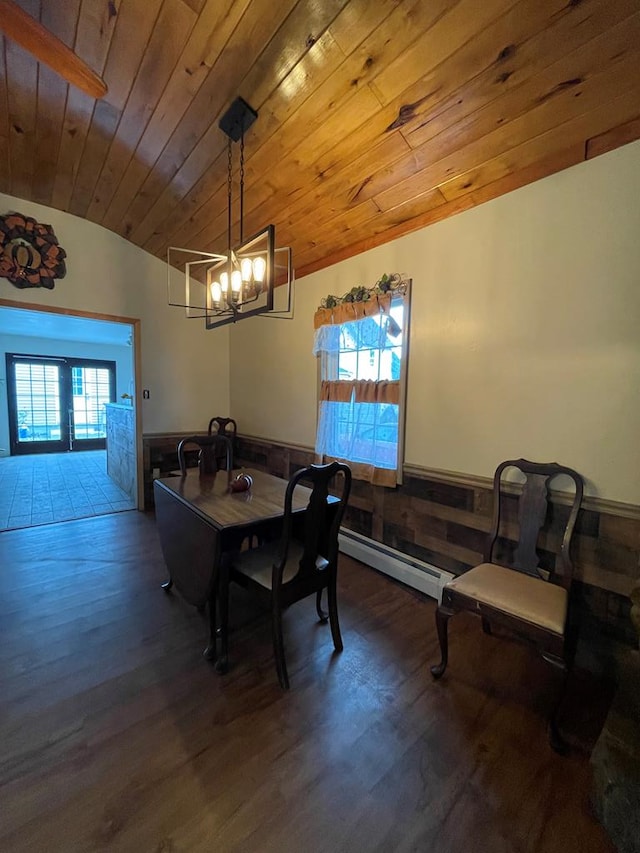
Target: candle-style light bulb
{"x":216,"y":293}
{"x":236,"y":284}
{"x":246,"y":268}
{"x":259,"y":268}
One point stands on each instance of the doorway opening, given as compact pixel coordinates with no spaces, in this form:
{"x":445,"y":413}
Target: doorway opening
{"x":61,"y":367}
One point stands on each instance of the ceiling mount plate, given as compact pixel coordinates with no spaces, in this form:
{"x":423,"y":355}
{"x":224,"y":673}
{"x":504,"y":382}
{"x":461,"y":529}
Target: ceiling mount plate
{"x":238,"y":119}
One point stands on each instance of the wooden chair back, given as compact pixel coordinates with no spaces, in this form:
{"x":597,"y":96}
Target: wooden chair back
{"x":318,"y":532}
{"x":227,"y":427}
{"x":215,"y":453}
{"x":533,"y":510}
{"x":223,"y":426}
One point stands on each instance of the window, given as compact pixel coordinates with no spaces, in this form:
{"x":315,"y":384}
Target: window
{"x":362,"y":353}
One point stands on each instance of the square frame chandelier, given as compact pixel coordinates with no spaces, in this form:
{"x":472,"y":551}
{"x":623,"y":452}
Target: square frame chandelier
{"x":226,"y":288}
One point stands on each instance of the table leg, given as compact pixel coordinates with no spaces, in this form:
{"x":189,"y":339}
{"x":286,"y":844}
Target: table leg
{"x":222,"y":664}
{"x":210,"y":653}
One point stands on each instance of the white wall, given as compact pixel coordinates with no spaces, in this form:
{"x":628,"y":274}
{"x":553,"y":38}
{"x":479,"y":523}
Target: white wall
{"x":185,"y":367}
{"x":525,"y":336}
{"x":121,"y":355}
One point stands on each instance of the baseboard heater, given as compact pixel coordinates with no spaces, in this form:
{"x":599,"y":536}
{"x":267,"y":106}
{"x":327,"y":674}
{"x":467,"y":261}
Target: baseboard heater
{"x":415,"y":573}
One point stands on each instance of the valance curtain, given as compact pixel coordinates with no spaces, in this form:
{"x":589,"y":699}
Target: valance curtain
{"x":346,"y":312}
{"x":360,"y":347}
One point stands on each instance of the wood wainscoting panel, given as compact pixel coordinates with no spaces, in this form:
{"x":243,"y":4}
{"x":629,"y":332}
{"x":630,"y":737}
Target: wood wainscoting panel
{"x":442,"y":518}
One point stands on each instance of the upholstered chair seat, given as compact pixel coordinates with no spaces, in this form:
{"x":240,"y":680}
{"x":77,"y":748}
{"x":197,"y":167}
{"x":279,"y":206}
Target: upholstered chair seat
{"x":531,"y":599}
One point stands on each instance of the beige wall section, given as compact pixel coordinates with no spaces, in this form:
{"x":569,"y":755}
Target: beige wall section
{"x":525,"y":333}
{"x":185,"y":368}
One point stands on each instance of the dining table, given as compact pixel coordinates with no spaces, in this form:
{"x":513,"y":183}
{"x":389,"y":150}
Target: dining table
{"x":202,"y":522}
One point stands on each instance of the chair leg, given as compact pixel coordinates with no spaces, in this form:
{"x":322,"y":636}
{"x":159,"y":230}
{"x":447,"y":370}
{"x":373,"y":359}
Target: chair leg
{"x":332,"y":596}
{"x":556,"y":740}
{"x":442,"y":620}
{"x":278,"y":646}
{"x":322,"y":615}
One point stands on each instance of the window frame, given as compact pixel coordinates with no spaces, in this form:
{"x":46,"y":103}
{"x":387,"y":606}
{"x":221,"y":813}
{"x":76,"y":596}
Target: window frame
{"x":405,"y":296}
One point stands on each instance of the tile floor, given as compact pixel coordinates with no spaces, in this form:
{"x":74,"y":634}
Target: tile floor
{"x":43,"y":488}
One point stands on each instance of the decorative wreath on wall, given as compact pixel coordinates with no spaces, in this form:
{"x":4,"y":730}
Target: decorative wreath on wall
{"x":29,"y":252}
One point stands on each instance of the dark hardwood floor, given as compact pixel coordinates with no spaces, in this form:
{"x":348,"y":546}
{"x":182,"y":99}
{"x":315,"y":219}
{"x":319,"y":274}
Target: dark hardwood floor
{"x":116,"y":735}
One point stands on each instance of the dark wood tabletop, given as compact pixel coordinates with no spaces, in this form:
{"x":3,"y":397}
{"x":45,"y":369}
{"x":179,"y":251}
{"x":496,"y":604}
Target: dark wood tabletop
{"x":209,"y":497}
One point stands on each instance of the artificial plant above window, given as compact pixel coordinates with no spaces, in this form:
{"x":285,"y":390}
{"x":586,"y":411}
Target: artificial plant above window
{"x":360,"y":301}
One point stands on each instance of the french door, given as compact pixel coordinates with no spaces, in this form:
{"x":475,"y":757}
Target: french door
{"x":57,"y":404}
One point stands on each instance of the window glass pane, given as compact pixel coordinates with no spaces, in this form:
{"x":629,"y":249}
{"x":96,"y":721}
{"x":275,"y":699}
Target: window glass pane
{"x":76,"y":381}
{"x":91,"y":390}
{"x":37,"y":402}
{"x":361,"y":432}
{"x":395,"y":362}
{"x":348,"y":365}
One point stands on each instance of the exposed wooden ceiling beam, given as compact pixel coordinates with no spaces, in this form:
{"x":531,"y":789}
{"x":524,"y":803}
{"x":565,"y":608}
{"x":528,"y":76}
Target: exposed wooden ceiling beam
{"x":37,"y":40}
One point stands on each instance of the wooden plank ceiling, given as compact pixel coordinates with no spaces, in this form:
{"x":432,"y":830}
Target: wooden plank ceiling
{"x":376,"y":117}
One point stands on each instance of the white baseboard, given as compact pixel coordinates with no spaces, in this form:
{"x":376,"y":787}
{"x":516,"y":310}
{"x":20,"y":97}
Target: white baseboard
{"x":409,"y":570}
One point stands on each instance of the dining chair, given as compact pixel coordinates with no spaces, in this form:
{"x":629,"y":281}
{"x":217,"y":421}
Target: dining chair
{"x":303,"y":561}
{"x":213,"y":449}
{"x":516,"y":587}
{"x":215,"y":453}
{"x":224,"y":426}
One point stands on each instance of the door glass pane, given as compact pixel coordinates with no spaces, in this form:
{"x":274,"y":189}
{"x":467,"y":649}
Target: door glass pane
{"x":91,"y":390}
{"x":37,"y":402}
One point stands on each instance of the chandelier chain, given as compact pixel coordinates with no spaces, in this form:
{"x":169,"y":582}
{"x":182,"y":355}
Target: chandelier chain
{"x":229,"y":187}
{"x":241,"y":187}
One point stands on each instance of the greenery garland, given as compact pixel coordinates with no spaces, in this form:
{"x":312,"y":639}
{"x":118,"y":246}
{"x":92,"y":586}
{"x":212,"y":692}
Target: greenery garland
{"x":386,"y":283}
